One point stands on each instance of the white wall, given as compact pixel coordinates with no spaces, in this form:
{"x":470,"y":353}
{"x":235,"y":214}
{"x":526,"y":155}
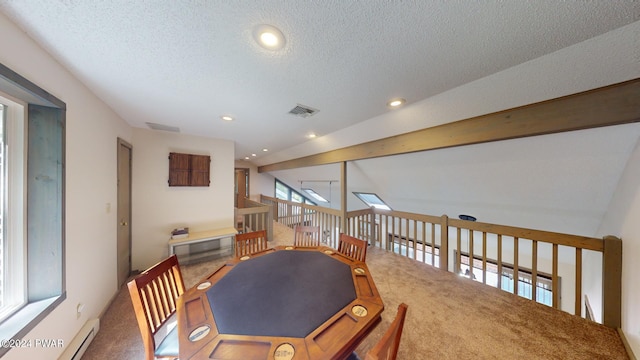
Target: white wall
{"x":622,"y":220}
{"x":159,"y":208}
{"x":91,"y":143}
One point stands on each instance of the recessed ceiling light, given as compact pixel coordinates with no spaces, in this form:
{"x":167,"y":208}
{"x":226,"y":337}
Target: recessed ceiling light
{"x":311,"y":136}
{"x":246,"y":158}
{"x":395,"y":103}
{"x":269,"y":37}
{"x":226,"y":118}
{"x":254,"y":155}
{"x":265,"y":149}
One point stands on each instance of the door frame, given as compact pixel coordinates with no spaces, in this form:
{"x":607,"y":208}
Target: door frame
{"x":124,"y":143}
{"x":247,"y":173}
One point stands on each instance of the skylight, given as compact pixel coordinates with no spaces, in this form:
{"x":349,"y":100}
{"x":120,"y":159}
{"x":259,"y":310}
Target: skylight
{"x":372,"y":200}
{"x":315,"y":195}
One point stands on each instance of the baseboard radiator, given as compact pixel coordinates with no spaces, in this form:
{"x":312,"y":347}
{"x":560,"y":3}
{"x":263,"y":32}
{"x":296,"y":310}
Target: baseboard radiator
{"x":80,"y":343}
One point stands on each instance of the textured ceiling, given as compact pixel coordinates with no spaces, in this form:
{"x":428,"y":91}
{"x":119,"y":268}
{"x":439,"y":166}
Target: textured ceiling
{"x":186,"y":63}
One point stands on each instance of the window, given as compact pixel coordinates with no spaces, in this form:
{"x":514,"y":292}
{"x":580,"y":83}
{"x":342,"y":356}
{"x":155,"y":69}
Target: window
{"x":282,"y":191}
{"x":32,"y":216}
{"x":12,"y":292}
{"x":285,"y":192}
{"x":2,"y":196}
{"x":2,"y":201}
{"x":315,"y":195}
{"x":372,"y":200}
{"x":295,"y":197}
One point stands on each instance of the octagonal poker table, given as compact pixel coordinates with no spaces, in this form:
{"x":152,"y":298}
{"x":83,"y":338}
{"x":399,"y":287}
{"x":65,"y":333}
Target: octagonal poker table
{"x":283,"y":303}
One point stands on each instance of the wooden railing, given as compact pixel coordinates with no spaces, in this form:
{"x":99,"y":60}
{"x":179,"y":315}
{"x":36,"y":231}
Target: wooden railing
{"x":293,"y":213}
{"x":254,"y":216}
{"x":520,"y":256}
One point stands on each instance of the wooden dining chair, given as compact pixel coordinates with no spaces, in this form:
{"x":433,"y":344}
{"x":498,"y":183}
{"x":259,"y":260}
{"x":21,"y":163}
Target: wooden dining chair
{"x":387,"y":347}
{"x":250,"y":243}
{"x":306,"y":236}
{"x":352,"y":247}
{"x":154,"y":293}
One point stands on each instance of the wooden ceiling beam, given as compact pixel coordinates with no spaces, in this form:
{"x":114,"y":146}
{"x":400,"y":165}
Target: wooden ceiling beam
{"x":611,"y":105}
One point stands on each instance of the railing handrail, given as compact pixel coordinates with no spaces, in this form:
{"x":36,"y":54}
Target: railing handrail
{"x":577,"y":241}
{"x":253,"y":210}
{"x":403,"y":214}
{"x":323,"y":209}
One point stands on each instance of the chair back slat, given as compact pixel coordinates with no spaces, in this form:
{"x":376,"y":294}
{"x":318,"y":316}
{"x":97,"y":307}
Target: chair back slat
{"x":154,"y":320}
{"x":250,"y":243}
{"x":387,"y":347}
{"x":352,"y":247}
{"x":154,"y":293}
{"x":168,"y":299}
{"x":306,"y":236}
{"x":163,"y":305}
{"x":147,"y":308}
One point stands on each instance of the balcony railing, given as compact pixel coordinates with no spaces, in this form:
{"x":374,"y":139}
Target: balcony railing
{"x":507,"y":257}
{"x":254,"y":216}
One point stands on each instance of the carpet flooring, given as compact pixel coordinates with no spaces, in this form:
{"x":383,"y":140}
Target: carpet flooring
{"x":449,"y":317}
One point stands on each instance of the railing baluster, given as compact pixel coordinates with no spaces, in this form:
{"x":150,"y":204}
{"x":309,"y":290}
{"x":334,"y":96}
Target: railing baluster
{"x":383,"y":231}
{"x":377,"y":218}
{"x":393,"y":233}
{"x":458,"y":251}
{"x":516,"y":277}
{"x":470,"y":232}
{"x":499,"y":261}
{"x":433,"y":244}
{"x":406,"y":236}
{"x":578,"y":300}
{"x":484,"y":257}
{"x":534,"y":269}
{"x":417,"y":239}
{"x":444,"y":242}
{"x":424,"y":241}
{"x":335,"y":230}
{"x":554,"y":277}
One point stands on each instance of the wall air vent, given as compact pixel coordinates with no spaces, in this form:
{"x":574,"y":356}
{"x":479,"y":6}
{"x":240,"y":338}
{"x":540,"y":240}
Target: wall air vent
{"x":155,"y":126}
{"x":303,"y":111}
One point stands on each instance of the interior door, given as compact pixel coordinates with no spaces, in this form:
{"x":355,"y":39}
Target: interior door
{"x":124,"y":211}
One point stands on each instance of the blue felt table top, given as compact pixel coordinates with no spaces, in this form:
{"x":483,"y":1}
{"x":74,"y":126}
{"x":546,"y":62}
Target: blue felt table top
{"x":286,"y":293}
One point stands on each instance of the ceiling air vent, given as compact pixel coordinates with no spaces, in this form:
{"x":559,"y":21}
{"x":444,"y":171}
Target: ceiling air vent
{"x":155,"y":126}
{"x":303,"y":111}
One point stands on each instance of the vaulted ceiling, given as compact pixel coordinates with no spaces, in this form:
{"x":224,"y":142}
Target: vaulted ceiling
{"x":184,"y":64}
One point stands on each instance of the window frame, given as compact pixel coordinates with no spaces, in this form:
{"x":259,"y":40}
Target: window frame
{"x":315,"y":195}
{"x":290,"y":192}
{"x":383,"y":205}
{"x":44,"y":234}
